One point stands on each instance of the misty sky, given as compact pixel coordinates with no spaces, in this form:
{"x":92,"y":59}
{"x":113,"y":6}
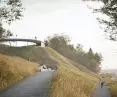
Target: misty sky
{"x":71,"y":17}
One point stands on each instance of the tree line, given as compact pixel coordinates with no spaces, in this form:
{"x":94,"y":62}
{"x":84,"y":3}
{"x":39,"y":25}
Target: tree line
{"x":90,"y":60}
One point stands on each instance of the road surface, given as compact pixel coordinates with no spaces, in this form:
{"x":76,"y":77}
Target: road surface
{"x":101,"y":92}
{"x":35,"y":86}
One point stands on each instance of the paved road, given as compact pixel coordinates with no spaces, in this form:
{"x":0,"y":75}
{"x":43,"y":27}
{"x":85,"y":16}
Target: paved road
{"x":35,"y":86}
{"x":101,"y":92}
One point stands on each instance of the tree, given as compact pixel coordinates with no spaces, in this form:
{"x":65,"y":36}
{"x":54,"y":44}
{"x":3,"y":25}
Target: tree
{"x":79,"y":50}
{"x":90,"y":54}
{"x":61,"y":43}
{"x":71,"y":47}
{"x":109,"y":9}
{"x":94,"y":66}
{"x":10,"y":10}
{"x":2,"y":31}
{"x":98,"y":57}
{"x":93,"y":60}
{"x":58,"y":41}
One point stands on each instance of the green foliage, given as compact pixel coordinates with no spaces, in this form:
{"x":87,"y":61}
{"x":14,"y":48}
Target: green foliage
{"x":10,"y":10}
{"x":58,"y":40}
{"x":4,"y":33}
{"x":31,"y":53}
{"x":109,"y":9}
{"x":89,"y":59}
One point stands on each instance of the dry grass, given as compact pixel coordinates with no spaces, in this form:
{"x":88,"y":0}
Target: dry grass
{"x":113,"y":89}
{"x":72,"y":83}
{"x":14,"y":69}
{"x":69,"y":81}
{"x":33,"y":53}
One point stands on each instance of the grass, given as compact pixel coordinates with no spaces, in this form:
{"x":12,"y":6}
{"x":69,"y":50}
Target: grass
{"x":72,"y":83}
{"x":113,"y":89}
{"x":33,"y":53}
{"x":13,"y":70}
{"x":69,"y":80}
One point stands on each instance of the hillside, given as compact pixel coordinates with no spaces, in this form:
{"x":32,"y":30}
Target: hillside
{"x":72,"y":79}
{"x":30,"y":53}
{"x":14,"y":69}
{"x":37,"y":54}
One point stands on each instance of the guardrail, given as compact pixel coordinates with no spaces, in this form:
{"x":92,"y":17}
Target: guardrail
{"x":37,"y":42}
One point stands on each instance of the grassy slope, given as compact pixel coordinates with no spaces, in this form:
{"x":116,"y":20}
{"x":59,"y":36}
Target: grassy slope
{"x":113,"y":89}
{"x":14,"y":69}
{"x":37,"y":54}
{"x":69,"y":81}
{"x":32,"y":53}
{"x":112,"y":86}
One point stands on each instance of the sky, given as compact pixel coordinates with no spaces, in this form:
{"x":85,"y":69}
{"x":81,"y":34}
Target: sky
{"x":44,"y":18}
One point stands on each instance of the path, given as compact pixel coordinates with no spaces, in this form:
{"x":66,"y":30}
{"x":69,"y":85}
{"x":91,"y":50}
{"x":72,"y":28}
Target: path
{"x":101,"y":92}
{"x":35,"y":86}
